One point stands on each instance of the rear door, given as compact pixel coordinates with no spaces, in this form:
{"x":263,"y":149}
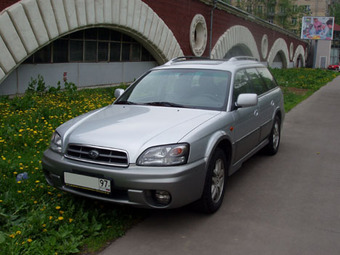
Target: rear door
{"x":268,"y":101}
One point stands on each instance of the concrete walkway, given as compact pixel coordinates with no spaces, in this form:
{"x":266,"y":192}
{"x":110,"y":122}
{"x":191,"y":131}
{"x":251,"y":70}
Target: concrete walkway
{"x":287,"y":204}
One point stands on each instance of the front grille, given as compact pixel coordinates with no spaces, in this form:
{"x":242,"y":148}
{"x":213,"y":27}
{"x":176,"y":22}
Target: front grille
{"x":97,"y":155}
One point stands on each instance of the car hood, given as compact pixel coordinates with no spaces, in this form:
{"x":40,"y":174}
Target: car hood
{"x":133,"y":128}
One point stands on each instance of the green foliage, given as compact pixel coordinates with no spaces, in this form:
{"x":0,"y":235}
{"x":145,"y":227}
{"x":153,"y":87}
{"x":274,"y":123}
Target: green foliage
{"x":334,"y":10}
{"x":35,"y":218}
{"x":36,"y":85}
{"x":298,"y":84}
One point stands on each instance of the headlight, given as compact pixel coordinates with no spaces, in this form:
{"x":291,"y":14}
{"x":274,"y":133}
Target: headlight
{"x":166,"y":155}
{"x":56,"y":142}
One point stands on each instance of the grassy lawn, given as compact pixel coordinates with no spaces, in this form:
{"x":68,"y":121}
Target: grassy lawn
{"x":38,"y":219}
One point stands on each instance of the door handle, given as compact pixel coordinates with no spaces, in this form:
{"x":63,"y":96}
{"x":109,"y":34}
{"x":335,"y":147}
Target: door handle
{"x":256,"y":113}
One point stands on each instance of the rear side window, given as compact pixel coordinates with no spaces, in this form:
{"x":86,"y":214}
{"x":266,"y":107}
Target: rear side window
{"x":267,"y":77}
{"x":258,"y":85}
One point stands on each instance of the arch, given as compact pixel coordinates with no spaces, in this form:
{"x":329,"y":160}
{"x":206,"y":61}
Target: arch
{"x":29,"y":25}
{"x":236,"y":35}
{"x":279,"y":47}
{"x":299,"y":57}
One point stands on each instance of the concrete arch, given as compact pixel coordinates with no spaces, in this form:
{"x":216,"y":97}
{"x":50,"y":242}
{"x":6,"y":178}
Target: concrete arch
{"x":236,"y":35}
{"x":279,"y":47}
{"x":29,"y":25}
{"x":299,"y":54}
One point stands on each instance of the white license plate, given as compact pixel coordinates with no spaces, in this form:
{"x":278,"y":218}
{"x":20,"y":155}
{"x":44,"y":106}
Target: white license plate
{"x":87,"y":182}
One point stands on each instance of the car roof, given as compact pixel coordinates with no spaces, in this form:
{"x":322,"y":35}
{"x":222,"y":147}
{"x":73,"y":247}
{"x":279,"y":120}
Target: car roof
{"x":231,"y":64}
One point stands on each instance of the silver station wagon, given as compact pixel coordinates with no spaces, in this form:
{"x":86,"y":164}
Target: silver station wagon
{"x":173,"y":137}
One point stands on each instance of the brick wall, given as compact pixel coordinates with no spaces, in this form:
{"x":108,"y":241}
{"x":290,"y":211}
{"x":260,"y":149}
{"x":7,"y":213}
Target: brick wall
{"x":6,"y":3}
{"x":182,"y":13}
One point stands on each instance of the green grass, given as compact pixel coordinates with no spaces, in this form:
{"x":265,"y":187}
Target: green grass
{"x":38,"y":219}
{"x":299,"y":84}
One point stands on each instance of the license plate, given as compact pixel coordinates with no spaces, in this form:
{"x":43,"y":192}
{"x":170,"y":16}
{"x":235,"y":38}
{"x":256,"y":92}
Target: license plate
{"x":87,"y":182}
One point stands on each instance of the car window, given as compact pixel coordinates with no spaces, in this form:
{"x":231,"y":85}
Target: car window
{"x":257,"y":83}
{"x":267,"y":77}
{"x":241,"y":84}
{"x":191,"y":88}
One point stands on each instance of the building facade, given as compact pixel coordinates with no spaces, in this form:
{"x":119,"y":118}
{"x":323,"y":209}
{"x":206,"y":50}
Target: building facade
{"x":101,"y":42}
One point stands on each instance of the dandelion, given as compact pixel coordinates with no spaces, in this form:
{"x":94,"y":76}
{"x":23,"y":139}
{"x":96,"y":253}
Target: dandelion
{"x":60,"y":218}
{"x":70,"y":220}
{"x":1,"y":201}
{"x":50,"y":218}
{"x":37,"y":181}
{"x":18,"y":232}
{"x":57,"y":207}
{"x":29,"y":240}
{"x":19,"y":191}
{"x":12,"y":235}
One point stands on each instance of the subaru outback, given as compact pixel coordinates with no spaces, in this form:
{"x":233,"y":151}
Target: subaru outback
{"x":173,"y":137}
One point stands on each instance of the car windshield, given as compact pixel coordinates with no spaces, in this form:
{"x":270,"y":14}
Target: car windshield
{"x":188,"y":88}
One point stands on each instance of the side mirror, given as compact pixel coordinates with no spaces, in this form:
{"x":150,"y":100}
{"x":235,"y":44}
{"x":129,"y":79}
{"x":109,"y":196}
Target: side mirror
{"x":246,"y":100}
{"x":118,"y":93}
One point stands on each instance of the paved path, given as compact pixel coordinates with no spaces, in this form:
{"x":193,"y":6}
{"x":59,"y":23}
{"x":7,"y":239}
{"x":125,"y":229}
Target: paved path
{"x":287,"y":204}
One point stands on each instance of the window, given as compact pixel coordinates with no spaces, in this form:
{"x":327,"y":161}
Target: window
{"x":92,"y":45}
{"x":294,"y":21}
{"x":241,"y":84}
{"x":260,"y":9}
{"x":257,"y":83}
{"x":267,"y":77}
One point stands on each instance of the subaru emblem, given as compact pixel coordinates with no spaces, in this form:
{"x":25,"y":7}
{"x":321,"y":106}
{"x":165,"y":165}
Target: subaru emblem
{"x":93,"y":154}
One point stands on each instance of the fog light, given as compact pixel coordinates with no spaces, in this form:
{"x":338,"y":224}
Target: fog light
{"x":162,"y":197}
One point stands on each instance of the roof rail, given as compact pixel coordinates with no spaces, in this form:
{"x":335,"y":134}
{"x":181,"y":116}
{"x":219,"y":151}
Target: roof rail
{"x":184,"y":58}
{"x":243,"y":58}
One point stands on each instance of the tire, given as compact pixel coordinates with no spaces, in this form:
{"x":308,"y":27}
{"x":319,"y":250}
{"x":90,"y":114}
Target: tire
{"x":215,"y":183}
{"x":274,"y":138}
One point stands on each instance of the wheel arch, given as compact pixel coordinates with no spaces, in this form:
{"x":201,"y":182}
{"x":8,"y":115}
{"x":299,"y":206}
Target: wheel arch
{"x":225,"y":144}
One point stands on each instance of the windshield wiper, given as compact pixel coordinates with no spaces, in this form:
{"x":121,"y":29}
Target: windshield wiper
{"x":168,"y":104}
{"x":125,"y":102}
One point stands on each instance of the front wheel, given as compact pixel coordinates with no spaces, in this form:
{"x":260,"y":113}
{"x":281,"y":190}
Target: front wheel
{"x":215,"y":183}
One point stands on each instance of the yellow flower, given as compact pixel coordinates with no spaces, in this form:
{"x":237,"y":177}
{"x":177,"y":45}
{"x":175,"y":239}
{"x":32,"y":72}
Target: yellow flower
{"x":61,"y":212}
{"x":12,"y":235}
{"x":18,"y":232}
{"x":1,"y":201}
{"x":60,"y":218}
{"x":70,"y":220}
{"x":51,"y":217}
{"x":29,"y":240}
{"x":19,"y":191}
{"x":37,"y":181}
{"x":57,"y":207}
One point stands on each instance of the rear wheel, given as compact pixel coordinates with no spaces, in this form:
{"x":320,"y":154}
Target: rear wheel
{"x":274,"y":138}
{"x":215,"y":183}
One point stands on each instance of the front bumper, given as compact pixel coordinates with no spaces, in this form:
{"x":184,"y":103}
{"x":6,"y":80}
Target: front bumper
{"x":135,"y":185}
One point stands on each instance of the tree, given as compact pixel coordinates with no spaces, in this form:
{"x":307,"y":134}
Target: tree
{"x":334,"y":11}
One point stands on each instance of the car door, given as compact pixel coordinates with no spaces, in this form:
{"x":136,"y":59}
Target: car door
{"x":246,"y":128}
{"x":268,"y":100}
